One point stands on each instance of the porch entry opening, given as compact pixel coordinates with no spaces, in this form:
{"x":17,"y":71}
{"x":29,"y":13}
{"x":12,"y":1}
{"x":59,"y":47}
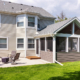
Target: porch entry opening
{"x":61,"y":44}
{"x":37,"y":46}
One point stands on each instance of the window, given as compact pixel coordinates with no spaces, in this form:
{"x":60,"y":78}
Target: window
{"x":20,"y":43}
{"x":30,"y":43}
{"x":20,"y":24}
{"x":20,"y":21}
{"x":31,"y":21}
{"x":3,"y":43}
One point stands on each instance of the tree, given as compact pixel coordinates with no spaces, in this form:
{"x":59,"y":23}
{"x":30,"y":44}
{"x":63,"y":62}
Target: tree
{"x":60,"y":18}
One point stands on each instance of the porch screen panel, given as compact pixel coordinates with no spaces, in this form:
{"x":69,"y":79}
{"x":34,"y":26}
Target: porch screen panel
{"x":42,"y":43}
{"x":49,"y":43}
{"x":60,"y":44}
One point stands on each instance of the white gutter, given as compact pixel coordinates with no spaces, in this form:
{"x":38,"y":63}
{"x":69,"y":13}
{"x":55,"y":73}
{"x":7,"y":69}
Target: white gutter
{"x":58,"y":63}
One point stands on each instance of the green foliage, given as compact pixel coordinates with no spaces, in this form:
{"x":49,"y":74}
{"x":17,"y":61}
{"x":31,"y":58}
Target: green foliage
{"x":61,"y":17}
{"x":56,"y":21}
{"x":70,"y":71}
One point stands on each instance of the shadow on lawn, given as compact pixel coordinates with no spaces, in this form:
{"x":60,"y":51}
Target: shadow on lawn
{"x":67,"y":76}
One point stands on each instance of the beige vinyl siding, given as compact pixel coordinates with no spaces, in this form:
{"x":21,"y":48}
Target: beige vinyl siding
{"x":30,"y":53}
{"x":22,"y":55}
{"x":20,"y":32}
{"x":8,"y":29}
{"x":30,"y":32}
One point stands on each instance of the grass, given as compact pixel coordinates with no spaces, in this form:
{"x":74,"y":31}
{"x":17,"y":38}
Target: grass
{"x":70,"y":71}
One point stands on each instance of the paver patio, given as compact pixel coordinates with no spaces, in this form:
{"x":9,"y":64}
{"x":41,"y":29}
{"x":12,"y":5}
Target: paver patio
{"x":24,"y":62}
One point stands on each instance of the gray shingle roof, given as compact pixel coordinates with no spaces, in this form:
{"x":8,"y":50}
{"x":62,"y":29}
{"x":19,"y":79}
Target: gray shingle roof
{"x":53,"y":27}
{"x":16,"y":8}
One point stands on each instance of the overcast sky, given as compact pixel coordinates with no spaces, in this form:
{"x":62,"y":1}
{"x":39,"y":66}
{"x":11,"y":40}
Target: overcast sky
{"x":71,"y":8}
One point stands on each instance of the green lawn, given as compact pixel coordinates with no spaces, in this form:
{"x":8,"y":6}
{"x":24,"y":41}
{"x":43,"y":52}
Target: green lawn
{"x":70,"y":71}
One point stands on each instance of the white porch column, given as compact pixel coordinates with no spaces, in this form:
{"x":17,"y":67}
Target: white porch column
{"x":67,"y":41}
{"x":73,"y":28}
{"x":54,"y":49}
{"x":36,"y":22}
{"x":78,"y":45}
{"x":45,"y":44}
{"x":39,"y":46}
{"x":35,"y":45}
{"x":25,"y":24}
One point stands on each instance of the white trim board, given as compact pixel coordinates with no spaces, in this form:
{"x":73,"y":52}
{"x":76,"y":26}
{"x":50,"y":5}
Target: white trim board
{"x":0,"y":20}
{"x":68,"y":35}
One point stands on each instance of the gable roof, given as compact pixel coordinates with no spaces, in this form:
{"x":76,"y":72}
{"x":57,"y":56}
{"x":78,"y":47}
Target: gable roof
{"x":21,"y":8}
{"x":54,"y":28}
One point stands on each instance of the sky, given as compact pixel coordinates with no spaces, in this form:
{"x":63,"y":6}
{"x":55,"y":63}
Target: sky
{"x":71,"y":8}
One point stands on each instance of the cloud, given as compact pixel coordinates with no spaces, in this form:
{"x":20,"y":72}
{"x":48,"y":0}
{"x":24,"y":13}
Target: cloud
{"x":69,"y":7}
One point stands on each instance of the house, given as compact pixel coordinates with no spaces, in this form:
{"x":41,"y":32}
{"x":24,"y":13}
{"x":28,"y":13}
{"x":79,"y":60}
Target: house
{"x":32,"y":31}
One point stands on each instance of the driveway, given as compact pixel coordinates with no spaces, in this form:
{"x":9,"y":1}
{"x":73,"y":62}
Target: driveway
{"x":24,"y":62}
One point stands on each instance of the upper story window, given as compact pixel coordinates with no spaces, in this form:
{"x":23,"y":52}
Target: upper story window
{"x":31,"y":21}
{"x":20,"y":24}
{"x":20,"y":21}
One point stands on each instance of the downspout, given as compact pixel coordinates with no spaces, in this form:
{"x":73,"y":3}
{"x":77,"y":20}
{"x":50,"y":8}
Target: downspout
{"x":58,"y":63}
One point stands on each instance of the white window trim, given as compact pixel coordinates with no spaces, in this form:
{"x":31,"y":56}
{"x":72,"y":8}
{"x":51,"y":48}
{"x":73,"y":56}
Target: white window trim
{"x":20,"y":21}
{"x":0,"y":20}
{"x":7,"y":44}
{"x":27,"y":43}
{"x":16,"y":43}
{"x":34,"y":21}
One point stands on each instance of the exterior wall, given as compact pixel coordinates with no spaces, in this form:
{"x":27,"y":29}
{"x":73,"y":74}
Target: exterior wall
{"x":48,"y":56}
{"x":8,"y":29}
{"x":67,"y":57}
{"x":20,"y":33}
{"x":30,"y":32}
{"x":30,"y":53}
{"x":22,"y":53}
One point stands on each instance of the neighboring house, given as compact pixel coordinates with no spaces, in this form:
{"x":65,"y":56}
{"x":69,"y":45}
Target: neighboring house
{"x":32,"y":32}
